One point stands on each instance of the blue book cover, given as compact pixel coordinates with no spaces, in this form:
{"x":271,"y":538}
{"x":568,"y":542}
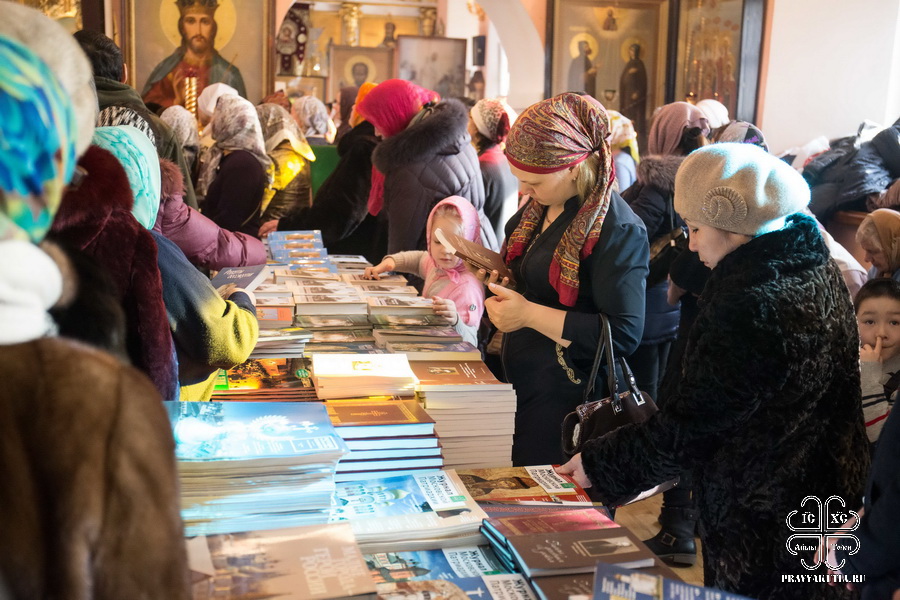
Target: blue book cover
{"x":446,"y":563}
{"x":300,"y":235}
{"x":288,"y":254}
{"x":209,"y":431}
{"x":507,"y":586}
{"x":243,"y":277}
{"x":615,"y":583}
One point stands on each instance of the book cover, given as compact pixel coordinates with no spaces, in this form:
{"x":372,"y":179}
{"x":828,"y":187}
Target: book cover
{"x":274,"y":316}
{"x":308,"y":244}
{"x":377,"y":288}
{"x":331,"y":321}
{"x":420,"y":350}
{"x":447,"y":563}
{"x":342,"y":336}
{"x":314,"y":235}
{"x":487,"y":587}
{"x":522,"y":484}
{"x":449,"y":375}
{"x":214,"y":431}
{"x":378,"y":417}
{"x":400,"y":305}
{"x":615,"y":583}
{"x":427,"y":505}
{"x":266,"y":374}
{"x":303,"y":563}
{"x":247,"y":278}
{"x":414,"y":320}
{"x":385,"y":279}
{"x":562,"y":552}
{"x":558,"y":521}
{"x":475,"y":254}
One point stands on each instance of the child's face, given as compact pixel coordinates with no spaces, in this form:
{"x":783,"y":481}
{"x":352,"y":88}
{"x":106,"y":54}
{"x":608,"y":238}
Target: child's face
{"x":442,"y":256}
{"x":880,"y":317}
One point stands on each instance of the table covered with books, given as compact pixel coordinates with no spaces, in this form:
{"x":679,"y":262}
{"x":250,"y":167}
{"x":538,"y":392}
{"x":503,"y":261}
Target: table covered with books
{"x":364,"y":451}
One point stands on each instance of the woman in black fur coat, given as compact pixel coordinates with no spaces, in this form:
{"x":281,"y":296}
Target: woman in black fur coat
{"x":768,"y":411}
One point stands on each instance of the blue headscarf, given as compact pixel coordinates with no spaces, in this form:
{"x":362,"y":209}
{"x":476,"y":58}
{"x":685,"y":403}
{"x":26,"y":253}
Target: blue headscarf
{"x":138,"y":156}
{"x":37,"y":143}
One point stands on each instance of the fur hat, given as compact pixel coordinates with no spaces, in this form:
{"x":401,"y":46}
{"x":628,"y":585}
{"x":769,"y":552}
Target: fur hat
{"x":739,"y":188}
{"x":491,"y":119}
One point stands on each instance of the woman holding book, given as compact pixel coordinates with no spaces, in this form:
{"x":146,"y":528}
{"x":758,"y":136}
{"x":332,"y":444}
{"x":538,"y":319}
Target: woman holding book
{"x":575,"y":250}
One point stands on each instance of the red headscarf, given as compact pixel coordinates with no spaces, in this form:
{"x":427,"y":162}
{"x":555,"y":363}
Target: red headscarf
{"x":550,"y":136}
{"x":390,"y":107}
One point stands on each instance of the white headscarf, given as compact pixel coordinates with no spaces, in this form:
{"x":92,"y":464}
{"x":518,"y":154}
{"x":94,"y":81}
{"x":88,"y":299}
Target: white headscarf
{"x":206,"y":101}
{"x":30,"y":284}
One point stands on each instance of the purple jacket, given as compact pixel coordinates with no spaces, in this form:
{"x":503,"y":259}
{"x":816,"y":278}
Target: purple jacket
{"x":203,"y":242}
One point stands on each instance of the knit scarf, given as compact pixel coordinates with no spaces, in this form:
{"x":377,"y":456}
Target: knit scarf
{"x":549,"y":136}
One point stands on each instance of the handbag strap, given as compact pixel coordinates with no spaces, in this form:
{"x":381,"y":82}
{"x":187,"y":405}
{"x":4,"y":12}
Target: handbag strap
{"x":604,"y":347}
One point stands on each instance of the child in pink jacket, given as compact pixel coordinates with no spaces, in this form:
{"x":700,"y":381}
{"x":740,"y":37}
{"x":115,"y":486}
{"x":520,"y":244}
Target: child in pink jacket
{"x":457,"y":294}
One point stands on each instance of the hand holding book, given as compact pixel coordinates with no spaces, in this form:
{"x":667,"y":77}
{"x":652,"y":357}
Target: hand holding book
{"x":478,"y":257}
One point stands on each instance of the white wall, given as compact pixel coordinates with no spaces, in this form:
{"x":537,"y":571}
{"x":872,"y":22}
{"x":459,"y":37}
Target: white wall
{"x":831,"y":65}
{"x":524,"y":50}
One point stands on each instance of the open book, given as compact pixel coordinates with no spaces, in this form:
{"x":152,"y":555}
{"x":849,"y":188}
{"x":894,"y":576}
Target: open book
{"x":475,"y":254}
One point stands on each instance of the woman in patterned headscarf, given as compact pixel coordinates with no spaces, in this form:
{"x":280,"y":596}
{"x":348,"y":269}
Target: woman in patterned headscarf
{"x":575,"y":249}
{"x":237,"y":170}
{"x":184,"y":125}
{"x":290,"y":154}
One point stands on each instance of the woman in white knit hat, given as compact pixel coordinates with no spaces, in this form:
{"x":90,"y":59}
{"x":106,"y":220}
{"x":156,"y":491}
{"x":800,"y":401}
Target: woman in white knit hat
{"x":768,"y":411}
{"x":489,"y":124}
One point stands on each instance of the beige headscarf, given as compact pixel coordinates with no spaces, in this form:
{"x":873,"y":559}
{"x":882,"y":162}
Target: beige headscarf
{"x":887,"y":224}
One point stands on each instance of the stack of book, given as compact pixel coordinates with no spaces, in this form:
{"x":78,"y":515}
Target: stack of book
{"x":432,"y":351}
{"x":412,"y":512}
{"x":403,"y":310}
{"x":356,"y":375}
{"x":580,"y":538}
{"x":426,"y":333}
{"x":247,"y":465}
{"x":286,"y":342}
{"x":266,"y":379}
{"x":474,"y":413}
{"x":387,"y":436}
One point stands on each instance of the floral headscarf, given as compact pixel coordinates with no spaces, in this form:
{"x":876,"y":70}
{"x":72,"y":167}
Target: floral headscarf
{"x":547,"y":137}
{"x":184,"y":125}
{"x":141,"y":163}
{"x":277,"y":126}
{"x":235,"y":126}
{"x":887,"y":224}
{"x":37,"y":143}
{"x":311,"y":115}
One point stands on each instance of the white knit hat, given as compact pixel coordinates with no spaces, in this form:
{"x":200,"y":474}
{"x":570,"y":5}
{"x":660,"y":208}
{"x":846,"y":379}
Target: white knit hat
{"x":739,"y":188}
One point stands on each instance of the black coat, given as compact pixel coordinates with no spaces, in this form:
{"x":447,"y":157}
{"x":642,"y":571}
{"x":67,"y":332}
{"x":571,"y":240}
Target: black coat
{"x":651,"y":200}
{"x":340,"y":207}
{"x":768,"y":412}
{"x":878,"y":533}
{"x":611,"y":281}
{"x":423,"y":164}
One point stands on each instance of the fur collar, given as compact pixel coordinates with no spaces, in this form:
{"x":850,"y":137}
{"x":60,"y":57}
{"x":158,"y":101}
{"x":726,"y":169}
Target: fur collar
{"x":767,"y":258}
{"x":659,"y":171}
{"x":442,"y":133}
{"x":172,"y":179}
{"x":104,"y":191}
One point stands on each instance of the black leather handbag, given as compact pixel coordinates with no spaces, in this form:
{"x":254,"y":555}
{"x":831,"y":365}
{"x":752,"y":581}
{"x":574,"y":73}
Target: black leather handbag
{"x":664,"y":250}
{"x":594,"y":418}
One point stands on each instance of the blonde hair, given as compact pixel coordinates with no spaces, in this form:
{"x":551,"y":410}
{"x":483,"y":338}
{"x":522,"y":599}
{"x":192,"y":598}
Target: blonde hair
{"x":586,"y":176}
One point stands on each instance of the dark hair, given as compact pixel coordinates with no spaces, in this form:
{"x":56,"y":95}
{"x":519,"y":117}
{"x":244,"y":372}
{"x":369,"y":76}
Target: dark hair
{"x":882,"y":287}
{"x":106,"y":58}
{"x":691,"y":139}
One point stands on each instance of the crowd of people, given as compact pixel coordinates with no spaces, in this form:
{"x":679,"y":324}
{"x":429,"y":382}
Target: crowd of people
{"x":771,"y":353}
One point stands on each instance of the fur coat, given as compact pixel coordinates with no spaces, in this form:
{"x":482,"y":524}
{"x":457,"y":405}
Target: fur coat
{"x":89,"y":506}
{"x":96,"y":218}
{"x":768,"y":412}
{"x":203,"y":242}
{"x":430,"y":160}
